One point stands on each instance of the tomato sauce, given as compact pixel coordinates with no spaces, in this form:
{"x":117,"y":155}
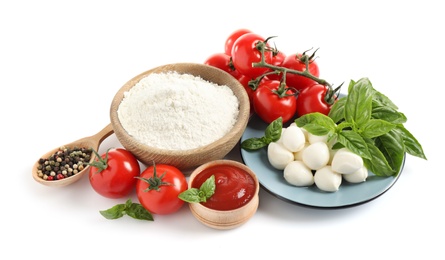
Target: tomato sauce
{"x":234,"y":187}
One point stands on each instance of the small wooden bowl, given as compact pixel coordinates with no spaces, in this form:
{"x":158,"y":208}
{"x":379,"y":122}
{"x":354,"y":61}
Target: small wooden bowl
{"x":185,"y":159}
{"x":225,"y":219}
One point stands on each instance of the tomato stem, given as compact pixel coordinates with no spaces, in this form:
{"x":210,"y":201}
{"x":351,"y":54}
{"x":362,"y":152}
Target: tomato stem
{"x":101,"y":163}
{"x":331,"y":93}
{"x":262,"y":47}
{"x":154,"y":182}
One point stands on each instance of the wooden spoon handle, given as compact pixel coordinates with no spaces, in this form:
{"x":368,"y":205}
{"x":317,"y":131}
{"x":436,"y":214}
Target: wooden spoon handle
{"x":102,"y":135}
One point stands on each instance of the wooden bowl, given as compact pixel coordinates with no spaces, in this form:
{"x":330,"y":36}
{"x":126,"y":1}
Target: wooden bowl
{"x":184,"y":159}
{"x":228,"y":218}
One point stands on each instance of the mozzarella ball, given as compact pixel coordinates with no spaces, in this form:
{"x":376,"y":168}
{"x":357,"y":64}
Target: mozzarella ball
{"x":327,"y":180}
{"x":358,"y":176}
{"x":278,"y":155}
{"x":306,"y":133}
{"x":316,"y":138}
{"x":280,"y":140}
{"x":316,"y":155}
{"x":298,"y":174}
{"x":332,"y":152}
{"x":311,"y":138}
{"x":293,"y":138}
{"x":298,"y":156}
{"x":346,"y":162}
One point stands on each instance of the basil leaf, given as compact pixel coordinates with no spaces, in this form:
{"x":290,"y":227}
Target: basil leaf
{"x":337,"y":112}
{"x":378,"y":164}
{"x":254,"y":143}
{"x":383,"y":100}
{"x":137,"y":211}
{"x":344,"y":125}
{"x":387,"y":113}
{"x":274,"y":129}
{"x":358,"y":105}
{"x":272,"y":134}
{"x":337,"y":146}
{"x":208,"y":187}
{"x":316,"y":129}
{"x":354,"y":142}
{"x":114,"y":212}
{"x":194,"y":195}
{"x":134,"y":210}
{"x":376,"y":127}
{"x":412,"y":146}
{"x":316,"y":123}
{"x":392,"y":147}
{"x":190,"y":195}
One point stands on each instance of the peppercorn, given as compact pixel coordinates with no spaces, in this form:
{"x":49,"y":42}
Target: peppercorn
{"x":64,"y":163}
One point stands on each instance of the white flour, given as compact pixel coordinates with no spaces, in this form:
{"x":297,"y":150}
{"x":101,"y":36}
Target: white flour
{"x":177,"y":111}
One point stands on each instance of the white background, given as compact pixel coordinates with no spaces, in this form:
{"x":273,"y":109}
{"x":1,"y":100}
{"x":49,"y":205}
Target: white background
{"x":62,"y":62}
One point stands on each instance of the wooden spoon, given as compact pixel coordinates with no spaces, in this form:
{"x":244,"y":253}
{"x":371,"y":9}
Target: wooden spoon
{"x":92,"y":141}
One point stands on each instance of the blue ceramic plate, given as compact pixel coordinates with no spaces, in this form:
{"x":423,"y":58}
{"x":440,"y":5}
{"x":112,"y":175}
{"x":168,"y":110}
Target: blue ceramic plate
{"x":273,"y":181}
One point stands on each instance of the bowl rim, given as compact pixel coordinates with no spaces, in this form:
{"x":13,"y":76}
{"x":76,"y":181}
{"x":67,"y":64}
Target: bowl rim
{"x":241,"y":122}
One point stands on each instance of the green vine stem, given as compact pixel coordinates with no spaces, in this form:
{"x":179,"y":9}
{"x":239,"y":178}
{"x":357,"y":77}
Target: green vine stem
{"x":262,"y":47}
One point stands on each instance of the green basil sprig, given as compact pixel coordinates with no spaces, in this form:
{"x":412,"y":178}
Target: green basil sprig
{"x":134,"y":210}
{"x":272,"y":134}
{"x":194,"y":195}
{"x":369,"y":124}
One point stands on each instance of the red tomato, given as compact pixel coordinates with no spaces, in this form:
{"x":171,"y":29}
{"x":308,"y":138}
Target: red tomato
{"x":316,"y":98}
{"x":244,"y":53}
{"x":296,"y":62}
{"x":244,"y":80}
{"x":113,"y":175}
{"x":232,"y":38}
{"x":222,"y":61}
{"x":158,"y":188}
{"x":268,"y":105}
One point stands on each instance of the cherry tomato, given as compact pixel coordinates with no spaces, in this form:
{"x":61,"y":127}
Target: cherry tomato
{"x":232,"y":38}
{"x":222,"y":61}
{"x":112,"y":175}
{"x":244,"y":53}
{"x":316,"y":98}
{"x":268,"y":105}
{"x":296,"y":62}
{"x":244,"y":80}
{"x":158,"y":188}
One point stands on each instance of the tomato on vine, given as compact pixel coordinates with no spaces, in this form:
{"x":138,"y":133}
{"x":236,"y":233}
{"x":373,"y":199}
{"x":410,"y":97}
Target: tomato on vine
{"x":244,"y":80}
{"x":232,"y":38}
{"x":298,"y":62}
{"x":222,"y":61}
{"x":272,"y":100}
{"x":316,"y":98}
{"x":245,"y":53}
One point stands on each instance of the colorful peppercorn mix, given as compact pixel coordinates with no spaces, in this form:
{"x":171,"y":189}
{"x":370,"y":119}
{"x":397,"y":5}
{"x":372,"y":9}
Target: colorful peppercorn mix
{"x":64,"y":163}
